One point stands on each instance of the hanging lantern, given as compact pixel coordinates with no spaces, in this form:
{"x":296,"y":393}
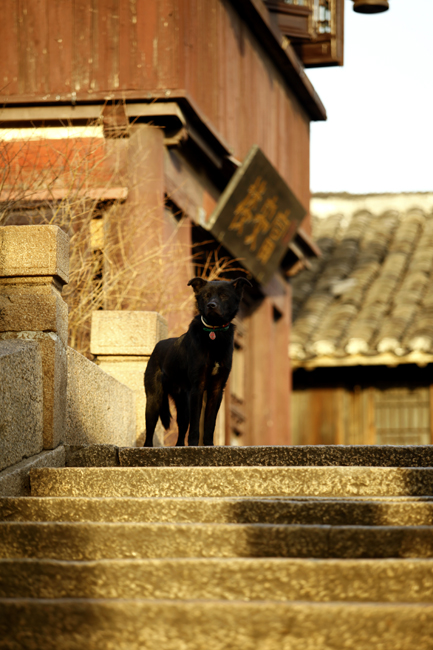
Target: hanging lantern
{"x":370,"y":6}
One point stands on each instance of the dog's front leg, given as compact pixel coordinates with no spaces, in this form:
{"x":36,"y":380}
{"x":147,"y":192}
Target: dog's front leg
{"x":215,"y":395}
{"x":182,"y":409}
{"x":195,"y":405}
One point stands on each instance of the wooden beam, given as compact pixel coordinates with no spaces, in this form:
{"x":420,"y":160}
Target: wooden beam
{"x":50,"y":113}
{"x":386,"y":359}
{"x":96,"y":193}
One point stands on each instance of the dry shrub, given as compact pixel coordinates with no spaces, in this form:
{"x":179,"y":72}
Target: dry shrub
{"x":53,"y":182}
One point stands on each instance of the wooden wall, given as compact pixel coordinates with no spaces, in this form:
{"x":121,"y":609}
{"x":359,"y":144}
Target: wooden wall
{"x":388,"y":413}
{"x":267,"y":373}
{"x":91,"y":50}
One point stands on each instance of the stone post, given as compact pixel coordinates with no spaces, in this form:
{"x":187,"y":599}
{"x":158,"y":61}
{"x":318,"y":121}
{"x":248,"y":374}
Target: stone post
{"x":123,"y":342}
{"x":34,"y":267}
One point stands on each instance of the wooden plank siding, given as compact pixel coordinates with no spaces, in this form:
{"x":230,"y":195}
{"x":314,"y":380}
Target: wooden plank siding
{"x":362,"y":415}
{"x":88,"y":50}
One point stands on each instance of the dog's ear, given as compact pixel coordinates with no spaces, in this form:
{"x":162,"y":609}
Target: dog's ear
{"x":239,"y":284}
{"x":197,"y":284}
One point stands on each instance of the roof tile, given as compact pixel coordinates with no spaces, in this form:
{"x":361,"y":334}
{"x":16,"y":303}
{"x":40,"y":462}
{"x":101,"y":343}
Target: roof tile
{"x":370,"y":292}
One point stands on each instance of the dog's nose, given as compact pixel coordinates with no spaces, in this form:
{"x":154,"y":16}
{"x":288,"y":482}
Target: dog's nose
{"x":211,"y":305}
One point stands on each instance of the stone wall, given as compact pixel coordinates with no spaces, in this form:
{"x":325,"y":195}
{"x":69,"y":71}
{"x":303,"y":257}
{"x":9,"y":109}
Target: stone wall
{"x":34,"y":267}
{"x":50,"y":395}
{"x":21,"y":404}
{"x":100,"y":409}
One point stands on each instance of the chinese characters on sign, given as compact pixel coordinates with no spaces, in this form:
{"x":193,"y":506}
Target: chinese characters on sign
{"x":257,"y":216}
{"x":263,"y":216}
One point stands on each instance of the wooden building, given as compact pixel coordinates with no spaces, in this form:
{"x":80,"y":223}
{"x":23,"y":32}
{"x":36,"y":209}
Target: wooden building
{"x":176,"y":93}
{"x":362,"y":336}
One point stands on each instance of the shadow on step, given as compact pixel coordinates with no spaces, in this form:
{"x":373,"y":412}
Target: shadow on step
{"x":398,"y":528}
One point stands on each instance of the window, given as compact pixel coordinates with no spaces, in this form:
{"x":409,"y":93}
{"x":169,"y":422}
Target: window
{"x":402,"y":416}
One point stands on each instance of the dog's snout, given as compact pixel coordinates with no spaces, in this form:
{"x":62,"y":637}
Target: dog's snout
{"x":211,"y":304}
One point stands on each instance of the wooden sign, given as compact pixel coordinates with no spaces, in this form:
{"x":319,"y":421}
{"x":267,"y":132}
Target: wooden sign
{"x":256,"y":216}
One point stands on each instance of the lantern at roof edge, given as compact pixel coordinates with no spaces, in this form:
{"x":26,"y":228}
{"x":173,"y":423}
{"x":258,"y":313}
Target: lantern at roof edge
{"x":370,"y":6}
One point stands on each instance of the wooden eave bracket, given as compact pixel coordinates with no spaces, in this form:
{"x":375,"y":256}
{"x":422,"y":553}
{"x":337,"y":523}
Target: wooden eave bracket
{"x":302,"y":248}
{"x":191,"y":124}
{"x":265,"y":27}
{"x":307,"y":244}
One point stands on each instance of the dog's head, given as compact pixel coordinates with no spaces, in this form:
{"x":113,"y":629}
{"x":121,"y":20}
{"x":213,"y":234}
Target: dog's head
{"x":218,"y":300}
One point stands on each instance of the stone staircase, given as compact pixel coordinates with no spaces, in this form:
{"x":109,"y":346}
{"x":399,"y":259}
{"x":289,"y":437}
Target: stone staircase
{"x":292,"y":548}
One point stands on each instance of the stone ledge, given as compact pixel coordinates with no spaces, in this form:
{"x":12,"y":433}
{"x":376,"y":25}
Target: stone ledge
{"x":31,"y":307}
{"x":34,"y":251}
{"x":126,"y":332}
{"x":15,"y":480}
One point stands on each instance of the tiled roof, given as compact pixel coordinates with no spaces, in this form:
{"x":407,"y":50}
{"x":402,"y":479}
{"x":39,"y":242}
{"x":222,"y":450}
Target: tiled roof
{"x":369,"y":298}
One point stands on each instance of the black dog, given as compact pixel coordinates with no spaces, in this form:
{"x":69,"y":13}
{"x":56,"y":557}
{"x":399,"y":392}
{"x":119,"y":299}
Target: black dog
{"x":200,"y":360}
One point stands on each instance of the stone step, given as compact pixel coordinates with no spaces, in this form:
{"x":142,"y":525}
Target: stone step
{"x":305,"y":455}
{"x":361,"y":511}
{"x":94,"y":541}
{"x":231,"y":481}
{"x":276,"y":579}
{"x":362,"y":455}
{"x":214,"y":625}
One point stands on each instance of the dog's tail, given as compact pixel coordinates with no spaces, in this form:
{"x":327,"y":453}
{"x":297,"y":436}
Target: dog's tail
{"x":164,"y":412}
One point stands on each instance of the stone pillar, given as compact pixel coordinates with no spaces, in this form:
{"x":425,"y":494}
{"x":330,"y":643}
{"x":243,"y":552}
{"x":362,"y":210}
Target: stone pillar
{"x":123,"y":342}
{"x":34,"y":267}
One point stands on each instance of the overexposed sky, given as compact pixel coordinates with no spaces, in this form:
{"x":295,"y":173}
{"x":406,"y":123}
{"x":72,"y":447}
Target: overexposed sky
{"x":379,"y":132}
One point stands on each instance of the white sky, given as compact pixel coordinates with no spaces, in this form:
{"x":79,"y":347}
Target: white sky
{"x":379,"y":132}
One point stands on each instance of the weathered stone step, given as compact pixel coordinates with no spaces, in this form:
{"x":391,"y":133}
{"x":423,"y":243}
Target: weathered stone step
{"x":220,"y":579}
{"x":214,"y":625}
{"x":231,"y":481}
{"x":93,"y":541}
{"x":395,"y":511}
{"x":368,"y":455}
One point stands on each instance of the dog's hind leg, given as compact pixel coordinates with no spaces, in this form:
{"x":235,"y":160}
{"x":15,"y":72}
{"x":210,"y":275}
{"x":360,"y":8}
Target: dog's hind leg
{"x":181,"y":402}
{"x":152,"y":415}
{"x":157,"y":406}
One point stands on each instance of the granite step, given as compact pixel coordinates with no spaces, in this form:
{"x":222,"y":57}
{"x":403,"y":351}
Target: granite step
{"x":320,"y":455}
{"x":94,"y":541}
{"x":381,"y":581}
{"x":214,"y":625}
{"x":231,"y":481}
{"x":361,"y":511}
